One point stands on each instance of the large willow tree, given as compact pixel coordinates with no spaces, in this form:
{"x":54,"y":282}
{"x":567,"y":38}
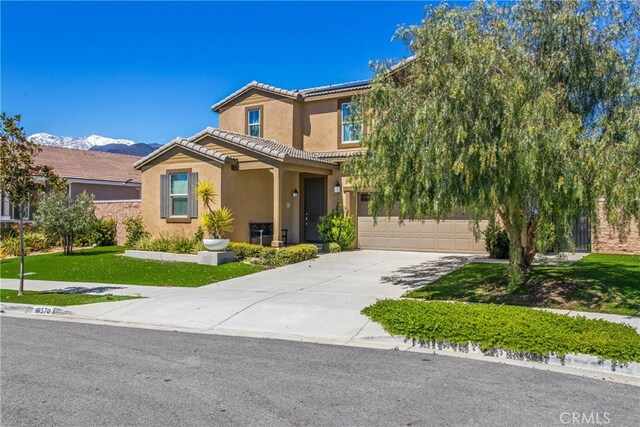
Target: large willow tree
{"x":527,"y":113}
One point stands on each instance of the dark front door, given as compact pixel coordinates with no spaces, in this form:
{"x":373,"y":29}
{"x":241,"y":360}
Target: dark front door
{"x":313,"y":207}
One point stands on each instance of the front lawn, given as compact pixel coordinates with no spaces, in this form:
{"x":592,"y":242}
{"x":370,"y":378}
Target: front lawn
{"x":57,"y":299}
{"x":531,"y":333}
{"x":108,"y":265}
{"x":598,"y":282}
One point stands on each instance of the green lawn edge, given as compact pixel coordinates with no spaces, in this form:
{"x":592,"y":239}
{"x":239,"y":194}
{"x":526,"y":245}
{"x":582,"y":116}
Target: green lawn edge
{"x":58,"y":299}
{"x":108,"y":265}
{"x":531,"y":334}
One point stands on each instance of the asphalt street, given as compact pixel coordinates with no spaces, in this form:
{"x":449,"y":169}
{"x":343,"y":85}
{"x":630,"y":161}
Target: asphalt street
{"x":59,"y":373}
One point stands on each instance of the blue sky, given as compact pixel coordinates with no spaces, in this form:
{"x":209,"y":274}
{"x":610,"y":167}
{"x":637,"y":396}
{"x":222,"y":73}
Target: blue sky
{"x":150,"y":71}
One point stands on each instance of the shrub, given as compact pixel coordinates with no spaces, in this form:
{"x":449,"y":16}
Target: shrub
{"x":35,"y":241}
{"x":134,"y":226}
{"x":182,"y":245}
{"x":11,"y":246}
{"x":105,"y":232}
{"x":172,"y":244}
{"x":245,"y":250}
{"x":545,"y":238}
{"x":331,"y":248}
{"x":338,"y":227}
{"x":523,"y":332}
{"x":496,"y":241}
{"x":272,"y":257}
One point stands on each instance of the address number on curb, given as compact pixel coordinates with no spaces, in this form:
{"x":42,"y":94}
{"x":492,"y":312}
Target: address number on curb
{"x":43,"y":310}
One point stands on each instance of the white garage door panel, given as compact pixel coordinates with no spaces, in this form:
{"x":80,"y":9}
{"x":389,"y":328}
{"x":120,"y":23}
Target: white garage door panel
{"x":426,"y":236}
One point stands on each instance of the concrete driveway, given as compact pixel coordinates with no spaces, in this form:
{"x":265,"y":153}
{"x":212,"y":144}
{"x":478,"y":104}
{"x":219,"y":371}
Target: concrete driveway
{"x":318,"y":299}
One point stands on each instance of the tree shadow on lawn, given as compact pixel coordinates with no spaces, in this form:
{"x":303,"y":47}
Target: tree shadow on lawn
{"x":84,"y":290}
{"x":595,"y":286}
{"x":416,"y":276}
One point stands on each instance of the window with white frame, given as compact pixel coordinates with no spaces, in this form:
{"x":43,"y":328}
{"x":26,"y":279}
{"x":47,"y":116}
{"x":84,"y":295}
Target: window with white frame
{"x":253,"y":122}
{"x":6,"y":208}
{"x":351,"y":131}
{"x":178,"y":194}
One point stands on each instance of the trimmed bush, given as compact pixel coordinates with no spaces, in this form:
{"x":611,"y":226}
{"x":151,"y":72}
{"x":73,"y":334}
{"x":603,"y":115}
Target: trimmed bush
{"x":171,"y":244}
{"x":331,"y":248}
{"x":245,"y":250}
{"x":272,"y":257}
{"x":338,"y":227}
{"x":524,"y":332}
{"x":496,"y":241}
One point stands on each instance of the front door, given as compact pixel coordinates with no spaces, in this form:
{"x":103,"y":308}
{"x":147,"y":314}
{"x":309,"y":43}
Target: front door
{"x":313,"y":207}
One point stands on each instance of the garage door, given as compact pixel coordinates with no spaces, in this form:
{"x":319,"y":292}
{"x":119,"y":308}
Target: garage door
{"x":451,"y":235}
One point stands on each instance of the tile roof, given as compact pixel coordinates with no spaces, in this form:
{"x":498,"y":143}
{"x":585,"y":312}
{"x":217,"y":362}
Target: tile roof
{"x":191,"y":146}
{"x":262,"y":146}
{"x":309,"y":92}
{"x":343,"y":154}
{"x":86,"y":164}
{"x":255,"y":85}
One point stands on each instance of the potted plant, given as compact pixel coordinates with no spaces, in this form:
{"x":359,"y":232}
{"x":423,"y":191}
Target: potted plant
{"x":216,"y":222}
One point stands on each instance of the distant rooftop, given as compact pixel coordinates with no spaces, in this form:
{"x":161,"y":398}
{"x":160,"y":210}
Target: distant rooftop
{"x":86,"y":164}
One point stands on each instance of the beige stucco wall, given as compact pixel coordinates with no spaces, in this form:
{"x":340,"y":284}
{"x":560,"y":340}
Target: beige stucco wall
{"x":607,"y":240}
{"x":176,"y":159}
{"x":320,"y":125}
{"x":277,"y":120}
{"x":118,"y":211}
{"x":106,"y":192}
{"x":249,"y":195}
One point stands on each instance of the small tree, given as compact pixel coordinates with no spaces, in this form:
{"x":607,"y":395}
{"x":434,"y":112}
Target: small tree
{"x":22,"y":182}
{"x":66,"y":218}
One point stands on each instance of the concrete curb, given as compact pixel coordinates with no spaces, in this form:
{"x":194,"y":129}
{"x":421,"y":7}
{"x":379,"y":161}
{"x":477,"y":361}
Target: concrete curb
{"x":34,"y":309}
{"x":581,"y":365}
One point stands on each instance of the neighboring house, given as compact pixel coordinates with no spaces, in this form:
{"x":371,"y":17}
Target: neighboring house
{"x":111,"y":178}
{"x":276,"y":163}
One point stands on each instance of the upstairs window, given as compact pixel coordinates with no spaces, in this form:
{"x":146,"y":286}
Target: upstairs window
{"x":178,"y":194}
{"x":254,"y":122}
{"x":351,"y":131}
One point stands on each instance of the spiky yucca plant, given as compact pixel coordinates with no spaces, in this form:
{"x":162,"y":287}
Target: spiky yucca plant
{"x":217,"y":222}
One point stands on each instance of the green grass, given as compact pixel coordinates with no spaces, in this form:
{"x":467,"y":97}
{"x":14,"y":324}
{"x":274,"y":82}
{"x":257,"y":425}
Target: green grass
{"x":598,"y":282}
{"x":57,"y":299}
{"x":533,"y":334}
{"x":108,"y":265}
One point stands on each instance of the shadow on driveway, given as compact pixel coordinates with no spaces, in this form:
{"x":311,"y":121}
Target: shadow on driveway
{"x":415,"y":276}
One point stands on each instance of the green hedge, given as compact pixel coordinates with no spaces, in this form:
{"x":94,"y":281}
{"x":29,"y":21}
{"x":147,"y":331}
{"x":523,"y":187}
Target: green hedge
{"x":245,"y":250}
{"x":331,"y":248}
{"x":531,"y":334}
{"x":173,"y":244}
{"x":272,"y":257}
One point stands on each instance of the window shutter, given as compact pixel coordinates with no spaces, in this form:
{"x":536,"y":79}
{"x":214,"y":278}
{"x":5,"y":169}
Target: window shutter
{"x":164,"y":196}
{"x":193,"y":195}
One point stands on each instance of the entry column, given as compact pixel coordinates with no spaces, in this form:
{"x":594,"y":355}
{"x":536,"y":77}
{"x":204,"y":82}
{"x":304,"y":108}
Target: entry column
{"x":277,"y":207}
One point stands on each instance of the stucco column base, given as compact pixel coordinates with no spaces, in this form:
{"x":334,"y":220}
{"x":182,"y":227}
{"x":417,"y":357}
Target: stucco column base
{"x":277,"y":243}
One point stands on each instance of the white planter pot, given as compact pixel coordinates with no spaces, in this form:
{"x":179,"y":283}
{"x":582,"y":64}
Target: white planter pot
{"x":216,"y":244}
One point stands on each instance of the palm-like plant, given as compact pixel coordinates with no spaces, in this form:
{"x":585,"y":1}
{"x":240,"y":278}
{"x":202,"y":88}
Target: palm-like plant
{"x":216,"y":222}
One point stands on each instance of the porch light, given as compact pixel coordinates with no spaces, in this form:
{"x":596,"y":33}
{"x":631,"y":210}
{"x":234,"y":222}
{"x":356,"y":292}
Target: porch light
{"x":295,"y":193}
{"x":336,"y":188}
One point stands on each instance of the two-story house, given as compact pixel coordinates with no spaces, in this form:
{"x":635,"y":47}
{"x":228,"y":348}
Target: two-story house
{"x":276,"y":162}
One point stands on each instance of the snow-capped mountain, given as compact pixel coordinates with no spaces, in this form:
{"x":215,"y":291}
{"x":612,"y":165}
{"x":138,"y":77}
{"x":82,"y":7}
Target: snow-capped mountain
{"x":82,"y":143}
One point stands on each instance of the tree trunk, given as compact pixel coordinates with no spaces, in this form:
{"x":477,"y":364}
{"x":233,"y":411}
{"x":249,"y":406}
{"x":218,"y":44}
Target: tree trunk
{"x":528,"y":246}
{"x":21,"y":220}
